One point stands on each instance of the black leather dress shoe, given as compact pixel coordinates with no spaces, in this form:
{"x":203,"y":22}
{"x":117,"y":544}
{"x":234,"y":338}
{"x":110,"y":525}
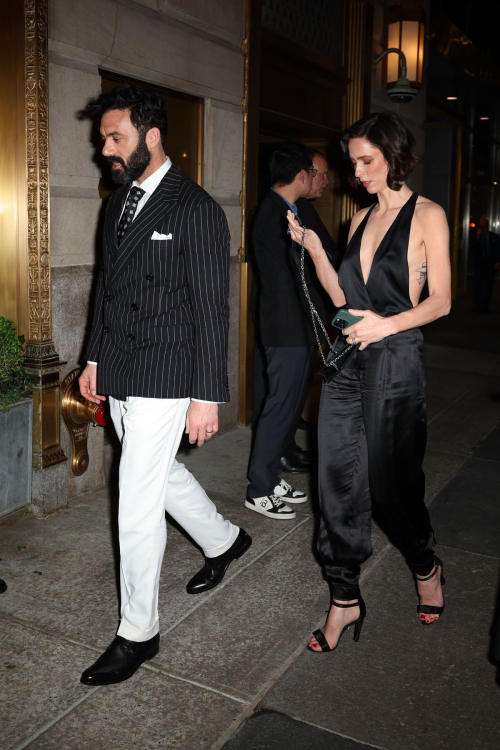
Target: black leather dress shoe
{"x":3,"y":586}
{"x":215,"y":568}
{"x":120,"y":661}
{"x":295,"y":463}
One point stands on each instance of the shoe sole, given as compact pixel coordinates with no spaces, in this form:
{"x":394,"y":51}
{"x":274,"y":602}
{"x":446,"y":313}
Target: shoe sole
{"x":93,"y":683}
{"x":296,"y":500}
{"x":263,"y":512}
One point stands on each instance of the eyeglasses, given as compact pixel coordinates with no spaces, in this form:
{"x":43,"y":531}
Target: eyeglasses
{"x":314,"y":171}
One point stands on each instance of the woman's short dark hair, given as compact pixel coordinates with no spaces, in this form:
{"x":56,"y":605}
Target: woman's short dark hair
{"x":387,"y":132}
{"x":287,"y":161}
{"x":146,"y":107}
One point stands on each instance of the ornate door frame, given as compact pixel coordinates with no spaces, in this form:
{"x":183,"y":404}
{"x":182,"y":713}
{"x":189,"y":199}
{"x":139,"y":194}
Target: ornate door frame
{"x":28,"y":277}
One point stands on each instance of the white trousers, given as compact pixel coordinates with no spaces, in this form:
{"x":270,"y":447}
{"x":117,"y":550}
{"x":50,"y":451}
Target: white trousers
{"x":152,"y":482}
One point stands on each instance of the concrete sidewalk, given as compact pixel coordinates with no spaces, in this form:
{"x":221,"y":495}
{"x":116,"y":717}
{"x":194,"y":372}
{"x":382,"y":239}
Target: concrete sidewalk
{"x":233,"y":671}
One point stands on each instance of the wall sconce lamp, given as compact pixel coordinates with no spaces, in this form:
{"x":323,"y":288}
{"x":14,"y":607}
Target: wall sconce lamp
{"x":405,"y":35}
{"x":402,"y":91}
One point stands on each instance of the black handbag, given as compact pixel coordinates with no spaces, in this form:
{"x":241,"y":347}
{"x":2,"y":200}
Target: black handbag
{"x":336,"y":360}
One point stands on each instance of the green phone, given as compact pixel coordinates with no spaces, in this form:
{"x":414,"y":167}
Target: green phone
{"x":344,"y":319}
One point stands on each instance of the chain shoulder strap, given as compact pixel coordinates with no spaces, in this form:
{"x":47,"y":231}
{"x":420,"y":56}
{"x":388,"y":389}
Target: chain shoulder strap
{"x":314,"y":313}
{"x":340,"y":358}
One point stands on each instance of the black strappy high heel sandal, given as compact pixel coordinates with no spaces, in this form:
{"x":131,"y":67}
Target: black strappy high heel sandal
{"x":320,"y":638}
{"x":429,"y":609}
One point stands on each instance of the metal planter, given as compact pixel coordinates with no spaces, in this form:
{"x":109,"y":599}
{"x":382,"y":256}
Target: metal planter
{"x":16,"y":449}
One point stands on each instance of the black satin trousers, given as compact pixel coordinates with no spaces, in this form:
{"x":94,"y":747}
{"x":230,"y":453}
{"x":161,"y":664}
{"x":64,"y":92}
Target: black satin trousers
{"x":372,"y":435}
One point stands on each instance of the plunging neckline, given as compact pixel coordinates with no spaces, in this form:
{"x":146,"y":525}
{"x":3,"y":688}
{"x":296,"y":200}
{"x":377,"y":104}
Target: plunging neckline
{"x":365,"y":222}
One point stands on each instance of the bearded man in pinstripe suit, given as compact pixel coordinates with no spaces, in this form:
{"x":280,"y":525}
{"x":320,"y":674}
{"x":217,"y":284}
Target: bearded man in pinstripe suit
{"x":158,"y":349}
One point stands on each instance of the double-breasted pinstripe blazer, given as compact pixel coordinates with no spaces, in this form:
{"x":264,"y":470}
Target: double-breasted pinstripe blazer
{"x":161,"y":317}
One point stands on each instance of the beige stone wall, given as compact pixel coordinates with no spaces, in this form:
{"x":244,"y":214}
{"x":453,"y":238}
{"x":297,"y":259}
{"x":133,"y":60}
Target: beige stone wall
{"x":187,"y":45}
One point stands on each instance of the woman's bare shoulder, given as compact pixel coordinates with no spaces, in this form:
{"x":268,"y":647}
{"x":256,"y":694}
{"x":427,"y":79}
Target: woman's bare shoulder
{"x":426,"y":210}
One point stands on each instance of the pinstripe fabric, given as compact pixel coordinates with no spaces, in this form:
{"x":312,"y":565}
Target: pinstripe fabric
{"x":161,"y":314}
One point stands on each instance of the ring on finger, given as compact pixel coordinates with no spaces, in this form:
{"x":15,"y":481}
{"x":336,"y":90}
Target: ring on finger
{"x":209,"y":432}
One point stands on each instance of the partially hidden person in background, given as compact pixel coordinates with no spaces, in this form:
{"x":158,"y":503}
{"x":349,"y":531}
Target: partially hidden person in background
{"x":485,"y":247}
{"x":158,"y":349}
{"x":294,"y":459}
{"x":285,"y":331}
{"x":372,"y":422}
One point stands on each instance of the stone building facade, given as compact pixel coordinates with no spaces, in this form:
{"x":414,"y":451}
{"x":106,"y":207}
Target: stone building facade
{"x":257,"y":72}
{"x":189,"y":46}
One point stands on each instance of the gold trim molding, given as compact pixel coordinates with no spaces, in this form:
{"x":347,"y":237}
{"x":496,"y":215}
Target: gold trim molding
{"x":37,"y":157}
{"x":41,"y":357}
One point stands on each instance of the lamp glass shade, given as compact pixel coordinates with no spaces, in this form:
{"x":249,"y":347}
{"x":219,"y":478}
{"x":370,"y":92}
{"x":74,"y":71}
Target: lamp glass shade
{"x":393,"y":40}
{"x":406,"y":31}
{"x":409,"y":45}
{"x":420,"y":64}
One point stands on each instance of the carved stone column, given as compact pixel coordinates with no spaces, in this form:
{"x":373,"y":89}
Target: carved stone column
{"x":40,"y":354}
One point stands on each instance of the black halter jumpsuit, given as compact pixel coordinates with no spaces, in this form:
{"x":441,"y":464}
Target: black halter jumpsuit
{"x":373,"y":425}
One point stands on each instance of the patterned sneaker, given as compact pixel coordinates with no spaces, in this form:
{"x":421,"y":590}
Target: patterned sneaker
{"x":271,"y":506}
{"x":286,"y":491}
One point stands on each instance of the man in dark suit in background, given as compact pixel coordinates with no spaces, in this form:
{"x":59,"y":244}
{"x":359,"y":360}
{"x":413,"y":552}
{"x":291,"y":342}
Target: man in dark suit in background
{"x":485,"y":246}
{"x":285,"y":330}
{"x":294,"y":458}
{"x":158,"y":348}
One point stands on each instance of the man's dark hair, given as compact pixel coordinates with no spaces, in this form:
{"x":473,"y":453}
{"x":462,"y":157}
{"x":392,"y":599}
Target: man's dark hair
{"x":287,"y":161}
{"x":387,"y":132}
{"x":146,"y":107}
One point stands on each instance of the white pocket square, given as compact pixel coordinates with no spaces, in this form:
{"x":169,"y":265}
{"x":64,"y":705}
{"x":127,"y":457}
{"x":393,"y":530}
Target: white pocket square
{"x":157,"y":236}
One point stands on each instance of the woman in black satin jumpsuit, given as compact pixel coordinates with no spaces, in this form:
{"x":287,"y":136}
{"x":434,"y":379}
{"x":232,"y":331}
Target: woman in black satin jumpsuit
{"x":372,"y":424}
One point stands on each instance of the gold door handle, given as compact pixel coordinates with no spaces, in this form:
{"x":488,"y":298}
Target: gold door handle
{"x":78,"y":414}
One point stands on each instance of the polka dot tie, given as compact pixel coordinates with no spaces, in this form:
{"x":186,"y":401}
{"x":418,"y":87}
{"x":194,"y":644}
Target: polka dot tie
{"x":128,"y":214}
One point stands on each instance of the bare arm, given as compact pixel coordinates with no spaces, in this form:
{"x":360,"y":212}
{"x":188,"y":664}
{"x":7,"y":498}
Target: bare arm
{"x":324,"y":269}
{"x":436,"y":238}
{"x":435,"y":235}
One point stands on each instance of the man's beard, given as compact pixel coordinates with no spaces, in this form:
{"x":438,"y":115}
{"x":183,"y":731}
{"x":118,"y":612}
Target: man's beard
{"x":138,"y":162}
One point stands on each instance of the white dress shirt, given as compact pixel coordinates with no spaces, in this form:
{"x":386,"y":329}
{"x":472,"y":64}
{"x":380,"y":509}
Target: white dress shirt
{"x":149,"y":185}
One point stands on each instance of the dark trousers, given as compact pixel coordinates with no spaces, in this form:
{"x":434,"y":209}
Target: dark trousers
{"x":260,"y":389}
{"x":372,"y":436}
{"x":260,"y":384}
{"x":289,"y":371}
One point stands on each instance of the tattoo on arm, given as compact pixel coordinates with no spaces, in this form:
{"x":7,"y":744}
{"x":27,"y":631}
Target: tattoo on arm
{"x":422,"y":273}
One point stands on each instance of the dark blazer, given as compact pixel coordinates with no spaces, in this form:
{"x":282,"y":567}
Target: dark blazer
{"x":280,"y":310}
{"x":161,"y":315}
